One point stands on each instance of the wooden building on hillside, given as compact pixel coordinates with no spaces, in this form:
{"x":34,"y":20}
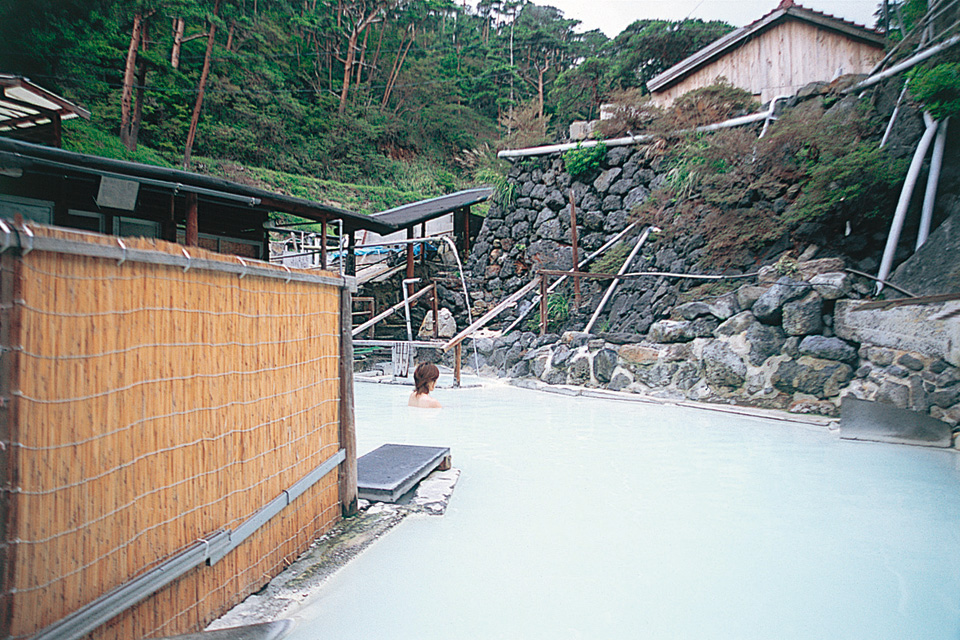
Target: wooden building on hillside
{"x":115,"y":197}
{"x":776,"y":55}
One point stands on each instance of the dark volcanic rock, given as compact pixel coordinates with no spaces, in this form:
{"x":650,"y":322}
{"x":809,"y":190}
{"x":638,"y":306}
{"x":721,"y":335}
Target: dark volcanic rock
{"x":604,"y":364}
{"x":769,"y":306}
{"x":828,"y":349}
{"x":722,"y":367}
{"x":822,"y":378}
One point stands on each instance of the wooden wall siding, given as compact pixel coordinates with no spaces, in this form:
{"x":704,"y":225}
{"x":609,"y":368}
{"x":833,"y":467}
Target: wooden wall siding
{"x":155,"y":407}
{"x":781,"y":61}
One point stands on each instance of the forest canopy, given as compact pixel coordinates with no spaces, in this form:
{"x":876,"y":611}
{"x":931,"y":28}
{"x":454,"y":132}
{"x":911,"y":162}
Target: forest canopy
{"x":417,"y":93}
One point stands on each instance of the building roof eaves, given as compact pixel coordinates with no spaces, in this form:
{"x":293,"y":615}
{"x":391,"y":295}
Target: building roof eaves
{"x":734,"y":39}
{"x":84,"y":163}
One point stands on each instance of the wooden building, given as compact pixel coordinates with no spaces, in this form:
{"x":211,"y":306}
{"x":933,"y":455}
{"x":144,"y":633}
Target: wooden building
{"x":30,"y":112}
{"x":52,"y":186}
{"x":776,"y":55}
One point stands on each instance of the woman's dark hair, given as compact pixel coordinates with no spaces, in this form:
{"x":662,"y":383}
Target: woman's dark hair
{"x":426,"y":373}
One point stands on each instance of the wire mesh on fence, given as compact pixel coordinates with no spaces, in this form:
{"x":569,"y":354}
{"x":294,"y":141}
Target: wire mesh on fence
{"x":153,"y":407}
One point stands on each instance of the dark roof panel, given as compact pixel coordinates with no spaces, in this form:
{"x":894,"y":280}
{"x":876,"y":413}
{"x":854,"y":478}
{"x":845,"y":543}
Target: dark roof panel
{"x":408,"y":215}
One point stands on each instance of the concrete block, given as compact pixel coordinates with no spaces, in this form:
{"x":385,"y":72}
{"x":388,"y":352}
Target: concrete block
{"x":930,"y":329}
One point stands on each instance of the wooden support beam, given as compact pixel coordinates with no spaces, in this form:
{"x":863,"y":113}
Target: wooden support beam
{"x":466,"y":232}
{"x":391,"y":310}
{"x":323,"y":242}
{"x":573,"y":245}
{"x":410,"y":260}
{"x":457,"y":355}
{"x":423,"y":246}
{"x":436,"y":313}
{"x":11,"y":283}
{"x":193,"y":227}
{"x":543,"y":305}
{"x":351,"y":266}
{"x":493,"y":313}
{"x":347,"y":427}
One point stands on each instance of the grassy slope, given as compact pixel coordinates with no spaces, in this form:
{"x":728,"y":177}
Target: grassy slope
{"x":83,"y":137}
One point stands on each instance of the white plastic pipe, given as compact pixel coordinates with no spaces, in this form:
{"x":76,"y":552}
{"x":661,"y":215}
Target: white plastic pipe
{"x":623,"y":270}
{"x":628,"y":140}
{"x":904,"y":203}
{"x":903,"y":66}
{"x":933,"y":179}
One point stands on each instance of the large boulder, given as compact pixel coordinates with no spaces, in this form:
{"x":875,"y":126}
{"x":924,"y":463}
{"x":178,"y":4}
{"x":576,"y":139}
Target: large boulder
{"x":636,"y":354}
{"x":604,"y":364}
{"x":931,"y":329}
{"x":605,"y":179}
{"x":446,"y":325}
{"x":821,"y":378}
{"x":828,"y":349}
{"x":832,"y":285}
{"x":666,"y":331}
{"x":763,"y":341}
{"x":804,"y":316}
{"x":722,"y":366}
{"x":769,"y":306}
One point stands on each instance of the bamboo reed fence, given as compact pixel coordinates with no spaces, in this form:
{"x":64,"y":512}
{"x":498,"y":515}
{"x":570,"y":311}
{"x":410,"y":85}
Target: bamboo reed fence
{"x":148,"y":406}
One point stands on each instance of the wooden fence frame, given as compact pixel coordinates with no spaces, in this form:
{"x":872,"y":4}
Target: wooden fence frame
{"x":17,"y":240}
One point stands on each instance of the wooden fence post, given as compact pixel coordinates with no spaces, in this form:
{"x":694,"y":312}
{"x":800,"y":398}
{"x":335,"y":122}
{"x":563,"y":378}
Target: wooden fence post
{"x":575,"y":248}
{"x":543,"y":304}
{"x":10,"y":293}
{"x":191,"y":235}
{"x":348,"y":433}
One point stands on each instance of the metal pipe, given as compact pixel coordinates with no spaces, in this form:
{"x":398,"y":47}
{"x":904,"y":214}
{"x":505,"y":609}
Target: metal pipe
{"x":893,"y":116}
{"x":623,"y":269}
{"x":406,"y":286}
{"x":628,"y":140}
{"x":606,"y":245}
{"x":903,"y":66}
{"x":904,"y":203}
{"x":771,"y":117}
{"x":933,"y":179}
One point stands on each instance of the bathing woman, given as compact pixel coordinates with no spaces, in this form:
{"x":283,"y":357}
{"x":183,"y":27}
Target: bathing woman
{"x":425,"y":379}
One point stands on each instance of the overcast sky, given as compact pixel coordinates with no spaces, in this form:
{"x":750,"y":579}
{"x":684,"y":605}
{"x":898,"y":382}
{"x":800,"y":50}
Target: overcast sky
{"x":611,"y":16}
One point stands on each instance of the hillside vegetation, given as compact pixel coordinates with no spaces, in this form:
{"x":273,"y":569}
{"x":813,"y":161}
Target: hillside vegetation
{"x":414,"y":94}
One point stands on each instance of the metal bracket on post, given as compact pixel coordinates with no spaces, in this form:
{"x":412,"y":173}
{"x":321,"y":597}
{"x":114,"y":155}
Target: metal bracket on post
{"x":123,"y":258}
{"x":26,"y":247}
{"x":7,"y":233}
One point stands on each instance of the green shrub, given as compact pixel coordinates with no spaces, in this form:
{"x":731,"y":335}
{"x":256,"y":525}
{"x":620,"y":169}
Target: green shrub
{"x":581,"y":160}
{"x":558,"y":309}
{"x":938,"y":88}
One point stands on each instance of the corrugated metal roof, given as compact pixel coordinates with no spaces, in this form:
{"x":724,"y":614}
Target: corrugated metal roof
{"x":408,"y":215}
{"x":786,"y":9}
{"x":24,"y":104}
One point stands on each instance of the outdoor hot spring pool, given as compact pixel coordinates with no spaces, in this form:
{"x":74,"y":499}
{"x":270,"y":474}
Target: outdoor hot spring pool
{"x":586,"y":518}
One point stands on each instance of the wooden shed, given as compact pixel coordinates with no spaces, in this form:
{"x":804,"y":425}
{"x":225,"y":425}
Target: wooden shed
{"x":776,"y":55}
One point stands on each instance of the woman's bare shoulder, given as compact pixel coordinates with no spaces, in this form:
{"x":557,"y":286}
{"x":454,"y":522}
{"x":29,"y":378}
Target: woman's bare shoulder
{"x":423,"y":401}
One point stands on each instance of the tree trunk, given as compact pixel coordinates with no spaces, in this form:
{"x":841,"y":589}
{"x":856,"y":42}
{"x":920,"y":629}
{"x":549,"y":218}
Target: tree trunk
{"x":141,"y":81}
{"x":128,"y":79}
{"x":233,"y":26}
{"x":396,"y":70}
{"x":348,"y":69}
{"x":540,"y":72}
{"x":178,"y":26}
{"x":195,"y":118}
{"x":363,"y":54}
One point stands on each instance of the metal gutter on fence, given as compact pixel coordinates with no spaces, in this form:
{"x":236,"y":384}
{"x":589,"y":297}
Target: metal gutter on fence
{"x":209,"y":550}
{"x":22,"y":237}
